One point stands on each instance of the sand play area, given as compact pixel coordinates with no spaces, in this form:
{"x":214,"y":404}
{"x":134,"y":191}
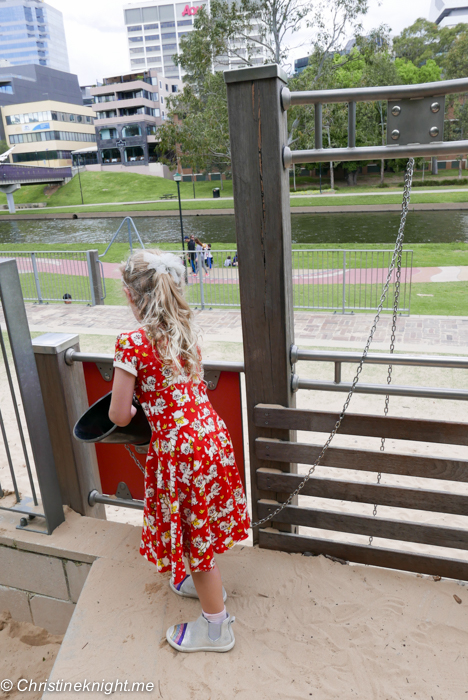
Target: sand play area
{"x":306,"y":627}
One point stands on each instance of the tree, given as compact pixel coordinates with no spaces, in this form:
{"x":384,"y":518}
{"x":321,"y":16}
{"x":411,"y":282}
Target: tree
{"x":196,"y":126}
{"x":456,"y":61}
{"x":425,"y":40}
{"x":3,"y":147}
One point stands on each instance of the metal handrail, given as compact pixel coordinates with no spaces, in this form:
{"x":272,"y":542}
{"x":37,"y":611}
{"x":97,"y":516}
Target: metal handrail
{"x":380,"y":389}
{"x":72,"y":356}
{"x":338,"y":357}
{"x":409,"y":93}
{"x":449,"y":148}
{"x":386,"y":92}
{"x":298,"y":354}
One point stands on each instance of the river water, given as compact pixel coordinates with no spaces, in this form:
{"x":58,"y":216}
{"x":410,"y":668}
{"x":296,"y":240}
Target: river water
{"x":307,"y":229}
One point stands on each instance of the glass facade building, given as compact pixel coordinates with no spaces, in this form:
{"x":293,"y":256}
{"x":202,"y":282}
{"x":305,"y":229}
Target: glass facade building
{"x":154,"y":30}
{"x":32,"y":32}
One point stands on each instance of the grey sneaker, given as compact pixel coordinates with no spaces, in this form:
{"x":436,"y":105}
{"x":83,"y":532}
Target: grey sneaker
{"x":202,"y":635}
{"x":187,"y":588}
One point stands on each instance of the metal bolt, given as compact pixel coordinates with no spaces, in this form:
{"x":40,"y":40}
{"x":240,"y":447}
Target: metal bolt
{"x":210,"y":385}
{"x":434,"y":131}
{"x":395,"y":134}
{"x":23,"y":522}
{"x":435,"y":106}
{"x":396,"y":110}
{"x":266,"y":422}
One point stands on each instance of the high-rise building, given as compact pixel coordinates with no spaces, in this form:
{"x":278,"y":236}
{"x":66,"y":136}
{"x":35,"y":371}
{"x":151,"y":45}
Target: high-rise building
{"x":31,"y":31}
{"x":448,"y":13}
{"x":154,"y":31}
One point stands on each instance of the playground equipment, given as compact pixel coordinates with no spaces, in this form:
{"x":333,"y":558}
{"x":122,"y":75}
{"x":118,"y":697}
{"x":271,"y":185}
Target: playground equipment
{"x":130,"y":223}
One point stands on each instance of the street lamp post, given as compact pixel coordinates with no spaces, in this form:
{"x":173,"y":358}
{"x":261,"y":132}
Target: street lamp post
{"x":178,"y":178}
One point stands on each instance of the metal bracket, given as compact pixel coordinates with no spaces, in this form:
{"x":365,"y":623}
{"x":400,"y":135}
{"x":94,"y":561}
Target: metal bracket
{"x":212,"y":378}
{"x":141,"y":449}
{"x":293,"y":355}
{"x":412,"y":121}
{"x":294,"y":383}
{"x":106,"y":370}
{"x":123,"y":492}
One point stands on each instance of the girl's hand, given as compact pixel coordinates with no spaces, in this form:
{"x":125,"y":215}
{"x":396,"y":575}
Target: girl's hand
{"x":133,"y":410}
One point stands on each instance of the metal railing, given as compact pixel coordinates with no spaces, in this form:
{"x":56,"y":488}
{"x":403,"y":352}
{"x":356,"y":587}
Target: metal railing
{"x":347,"y":280}
{"x":329,"y":279}
{"x":30,"y":459}
{"x":415,"y":121}
{"x":337,"y":385}
{"x":59,"y":276}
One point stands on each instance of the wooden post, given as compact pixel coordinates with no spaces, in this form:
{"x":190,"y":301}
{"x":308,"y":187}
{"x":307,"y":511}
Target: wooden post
{"x":65,"y":399}
{"x":258,"y":134}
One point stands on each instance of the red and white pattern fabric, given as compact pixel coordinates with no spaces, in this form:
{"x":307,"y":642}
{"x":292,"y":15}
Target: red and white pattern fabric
{"x":194,"y":499}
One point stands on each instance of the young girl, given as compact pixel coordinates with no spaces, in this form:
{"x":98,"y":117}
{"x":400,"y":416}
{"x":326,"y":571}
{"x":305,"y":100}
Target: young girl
{"x":195,"y":504}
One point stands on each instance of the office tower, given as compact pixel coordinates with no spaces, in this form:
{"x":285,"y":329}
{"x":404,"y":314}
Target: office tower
{"x":154,"y":31}
{"x":32,"y":32}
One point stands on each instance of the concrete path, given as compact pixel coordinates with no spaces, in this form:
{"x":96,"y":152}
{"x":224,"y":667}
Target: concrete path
{"x":420,"y":334}
{"x":325,"y":193}
{"x":222,"y":275}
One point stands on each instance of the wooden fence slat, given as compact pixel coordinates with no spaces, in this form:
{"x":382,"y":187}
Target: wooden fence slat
{"x":365,"y":460}
{"x":272,"y":416}
{"x":363,"y":554}
{"x":368,"y":525}
{"x":399,"y":497}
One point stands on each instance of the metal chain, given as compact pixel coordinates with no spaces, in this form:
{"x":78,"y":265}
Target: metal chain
{"x":396,"y":304}
{"x":396,"y":259}
{"x":140,"y":467}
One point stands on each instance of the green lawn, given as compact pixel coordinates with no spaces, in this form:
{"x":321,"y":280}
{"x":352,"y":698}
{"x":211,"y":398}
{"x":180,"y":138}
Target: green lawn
{"x":446,"y":298}
{"x":115,"y":187}
{"x":127,"y":187}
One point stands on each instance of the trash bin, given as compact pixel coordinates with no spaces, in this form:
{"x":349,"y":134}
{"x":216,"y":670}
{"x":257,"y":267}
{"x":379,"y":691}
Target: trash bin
{"x":216,"y":193}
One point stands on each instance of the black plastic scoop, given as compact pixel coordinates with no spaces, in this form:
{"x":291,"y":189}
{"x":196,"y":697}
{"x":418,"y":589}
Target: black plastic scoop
{"x":96,"y":426}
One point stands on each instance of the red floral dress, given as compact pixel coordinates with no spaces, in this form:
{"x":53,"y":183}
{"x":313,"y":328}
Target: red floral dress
{"x":194,"y":499}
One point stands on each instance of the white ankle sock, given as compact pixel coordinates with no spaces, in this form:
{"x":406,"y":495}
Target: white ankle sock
{"x":217,"y":618}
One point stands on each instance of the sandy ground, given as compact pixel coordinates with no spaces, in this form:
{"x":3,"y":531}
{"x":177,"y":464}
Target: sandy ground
{"x":326,"y":630}
{"x":26,"y":652}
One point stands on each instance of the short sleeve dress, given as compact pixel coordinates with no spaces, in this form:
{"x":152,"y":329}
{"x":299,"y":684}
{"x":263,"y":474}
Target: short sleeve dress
{"x":195,"y":504}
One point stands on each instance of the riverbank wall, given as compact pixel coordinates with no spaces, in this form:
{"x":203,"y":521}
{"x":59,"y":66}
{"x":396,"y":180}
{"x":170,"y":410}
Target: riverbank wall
{"x":341,"y":209}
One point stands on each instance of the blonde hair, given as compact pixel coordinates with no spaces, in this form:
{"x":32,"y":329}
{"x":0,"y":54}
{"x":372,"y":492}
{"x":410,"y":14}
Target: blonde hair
{"x":155,"y":281}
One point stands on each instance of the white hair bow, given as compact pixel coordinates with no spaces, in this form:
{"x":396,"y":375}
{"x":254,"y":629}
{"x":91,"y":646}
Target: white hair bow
{"x":165,"y":263}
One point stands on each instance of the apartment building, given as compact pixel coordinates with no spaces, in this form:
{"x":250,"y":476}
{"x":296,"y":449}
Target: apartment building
{"x":128,"y":109}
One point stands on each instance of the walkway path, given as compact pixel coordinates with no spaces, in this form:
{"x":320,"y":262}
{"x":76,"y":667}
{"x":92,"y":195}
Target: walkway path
{"x":422,"y":334}
{"x":325,"y":193}
{"x":221,"y":275}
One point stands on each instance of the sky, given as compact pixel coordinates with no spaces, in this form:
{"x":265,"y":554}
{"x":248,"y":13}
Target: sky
{"x":96,"y":35}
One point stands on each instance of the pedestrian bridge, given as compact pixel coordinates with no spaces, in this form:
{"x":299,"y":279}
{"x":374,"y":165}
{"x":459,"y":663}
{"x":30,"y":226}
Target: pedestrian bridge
{"x":12,"y":177}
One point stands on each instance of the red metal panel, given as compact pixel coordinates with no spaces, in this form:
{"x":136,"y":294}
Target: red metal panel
{"x":115,"y":464}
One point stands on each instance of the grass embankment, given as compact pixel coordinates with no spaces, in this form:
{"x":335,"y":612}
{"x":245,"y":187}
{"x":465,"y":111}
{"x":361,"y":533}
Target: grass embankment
{"x":103,"y":189}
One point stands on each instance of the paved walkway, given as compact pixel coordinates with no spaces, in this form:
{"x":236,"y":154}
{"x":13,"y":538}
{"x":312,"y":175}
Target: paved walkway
{"x":421,"y":334}
{"x":325,"y":193}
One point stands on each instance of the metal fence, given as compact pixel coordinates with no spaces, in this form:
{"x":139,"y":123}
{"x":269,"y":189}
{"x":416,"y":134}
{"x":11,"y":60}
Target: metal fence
{"x":53,"y":276}
{"x":28,"y":478}
{"x":329,"y":279}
